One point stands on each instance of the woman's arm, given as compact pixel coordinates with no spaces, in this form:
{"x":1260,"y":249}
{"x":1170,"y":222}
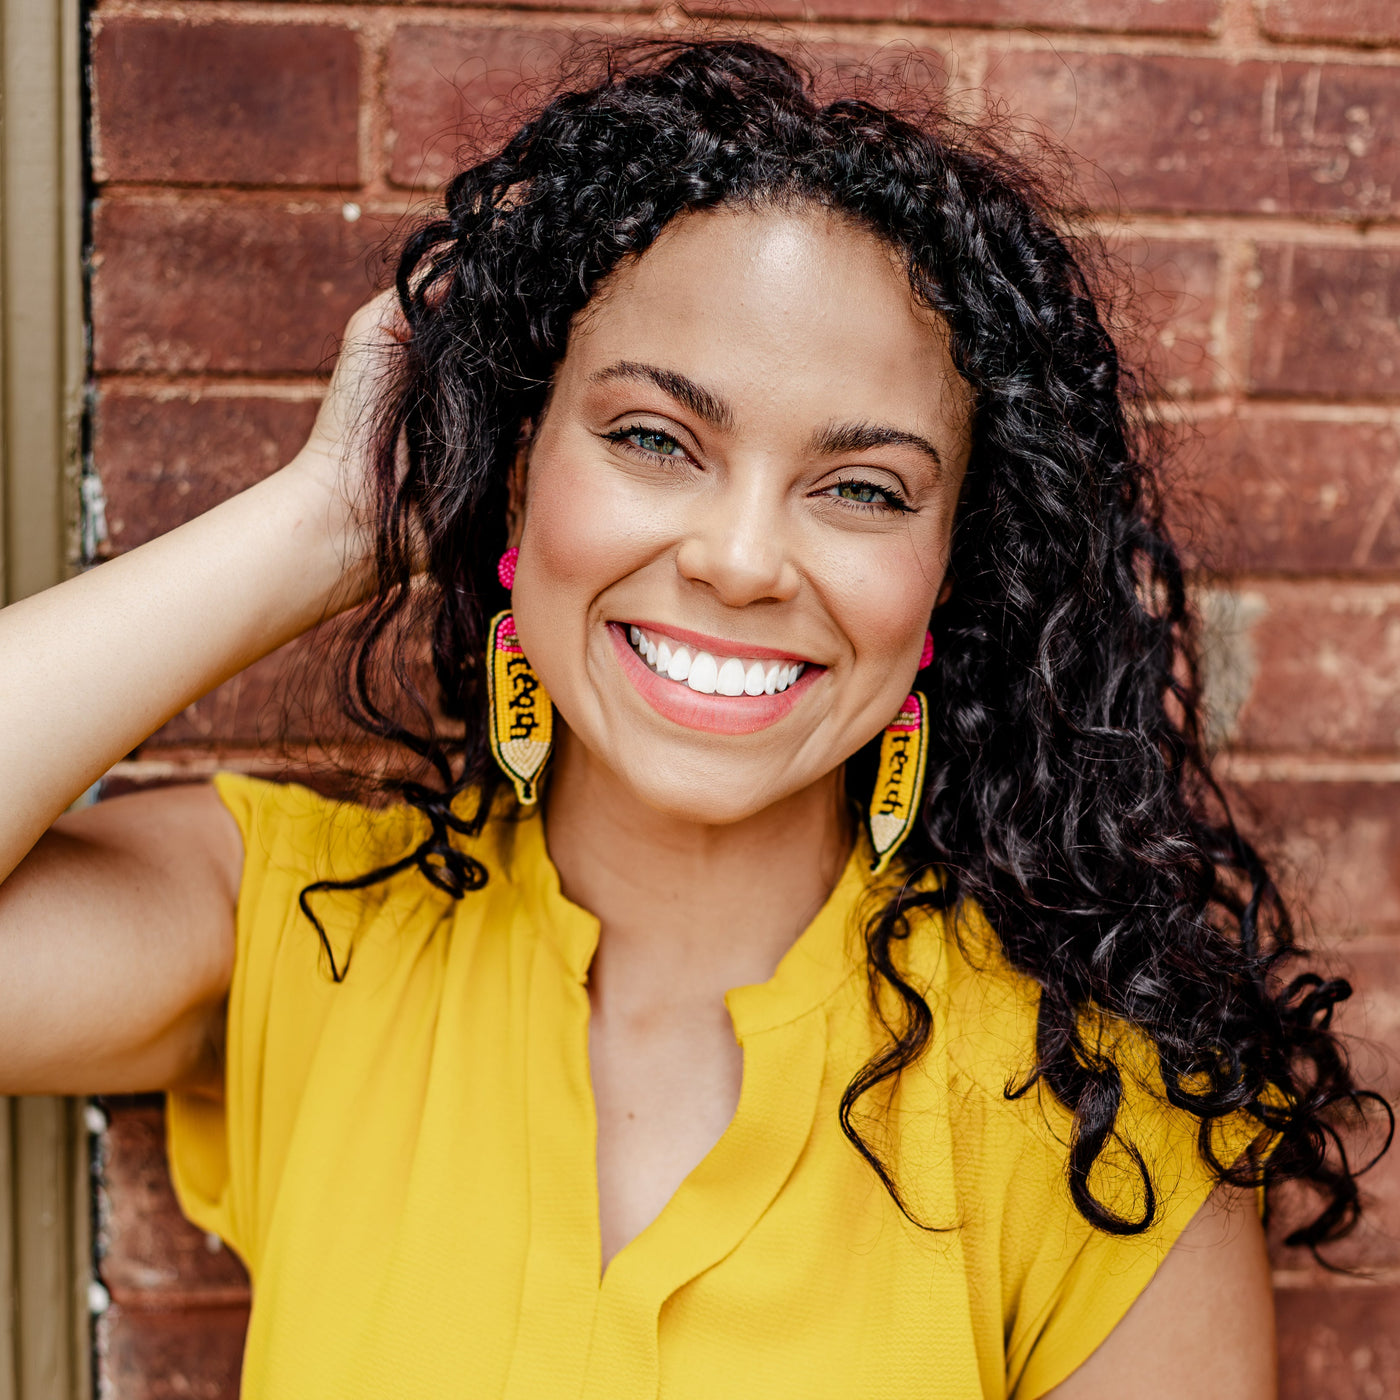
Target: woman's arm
{"x":116,"y":925}
{"x":1203,"y":1329}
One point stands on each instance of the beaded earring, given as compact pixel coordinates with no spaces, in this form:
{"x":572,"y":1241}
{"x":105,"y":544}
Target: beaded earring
{"x":522,"y":718}
{"x":899,"y":782}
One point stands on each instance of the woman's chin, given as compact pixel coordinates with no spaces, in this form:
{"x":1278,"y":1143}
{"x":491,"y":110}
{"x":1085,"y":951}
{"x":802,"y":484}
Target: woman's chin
{"x":686,"y":791}
{"x":711,"y":802}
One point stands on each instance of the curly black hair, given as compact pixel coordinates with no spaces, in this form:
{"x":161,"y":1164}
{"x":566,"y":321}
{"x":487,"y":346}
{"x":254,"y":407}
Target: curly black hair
{"x":1069,"y":793}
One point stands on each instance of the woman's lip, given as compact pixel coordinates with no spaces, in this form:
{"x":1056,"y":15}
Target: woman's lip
{"x":713,"y":714}
{"x":718,"y":647}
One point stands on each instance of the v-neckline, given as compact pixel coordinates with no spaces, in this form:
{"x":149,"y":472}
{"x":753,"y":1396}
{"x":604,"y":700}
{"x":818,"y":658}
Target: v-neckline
{"x":783,"y":1038}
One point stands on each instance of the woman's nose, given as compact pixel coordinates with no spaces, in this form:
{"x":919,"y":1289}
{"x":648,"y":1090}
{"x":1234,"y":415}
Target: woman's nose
{"x":739,"y":546}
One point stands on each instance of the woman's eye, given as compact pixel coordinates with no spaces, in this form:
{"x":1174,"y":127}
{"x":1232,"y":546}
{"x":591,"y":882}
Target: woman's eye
{"x":865,"y":493}
{"x":650,"y":440}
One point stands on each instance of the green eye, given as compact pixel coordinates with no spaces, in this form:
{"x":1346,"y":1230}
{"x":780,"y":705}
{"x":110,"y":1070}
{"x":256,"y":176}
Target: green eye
{"x":651,"y":440}
{"x":868,"y":495}
{"x":861,"y":491}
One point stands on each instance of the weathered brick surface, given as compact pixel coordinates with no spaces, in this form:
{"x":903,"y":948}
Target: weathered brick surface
{"x":1204,"y":134}
{"x":152,"y":1256}
{"x":1339,"y":843}
{"x":1321,"y":662}
{"x":238,"y":104}
{"x":1170,"y":314}
{"x":166,"y":459}
{"x":1112,"y":16}
{"x":451,"y":91}
{"x":278,"y":698}
{"x":1340,"y":1343}
{"x":198,"y":285}
{"x":180,"y":1354}
{"x":1121,"y":16}
{"x":1329,"y":670}
{"x":1325,"y":323}
{"x":1361,"y":21}
{"x":1277,"y":493}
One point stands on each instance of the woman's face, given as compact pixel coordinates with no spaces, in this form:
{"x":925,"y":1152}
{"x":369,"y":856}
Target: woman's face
{"x":744,"y":480}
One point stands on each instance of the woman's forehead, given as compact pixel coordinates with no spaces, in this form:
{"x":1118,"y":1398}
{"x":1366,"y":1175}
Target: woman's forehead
{"x":776,"y":303}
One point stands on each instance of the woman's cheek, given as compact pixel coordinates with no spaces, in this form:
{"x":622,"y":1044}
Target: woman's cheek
{"x":586,"y":526}
{"x":569,"y":521}
{"x":882,"y":601}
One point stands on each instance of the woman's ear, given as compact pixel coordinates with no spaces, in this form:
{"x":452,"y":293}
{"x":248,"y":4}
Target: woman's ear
{"x":945,"y":592}
{"x":515,"y":506}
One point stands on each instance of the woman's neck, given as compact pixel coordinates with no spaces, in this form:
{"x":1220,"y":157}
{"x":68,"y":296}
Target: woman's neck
{"x":687,"y":910}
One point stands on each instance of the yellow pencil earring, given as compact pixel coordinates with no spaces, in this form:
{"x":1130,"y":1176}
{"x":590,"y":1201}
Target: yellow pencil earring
{"x":522,"y":717}
{"x":899,"y":781}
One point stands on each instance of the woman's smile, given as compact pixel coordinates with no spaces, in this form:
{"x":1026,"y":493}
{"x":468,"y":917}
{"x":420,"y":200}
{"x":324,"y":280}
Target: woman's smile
{"x":709,"y":684}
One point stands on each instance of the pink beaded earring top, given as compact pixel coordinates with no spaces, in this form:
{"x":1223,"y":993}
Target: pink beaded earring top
{"x":926,"y":655}
{"x":505,"y":568}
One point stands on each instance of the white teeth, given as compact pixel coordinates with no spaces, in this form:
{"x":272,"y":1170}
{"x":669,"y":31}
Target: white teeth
{"x":703,"y":673}
{"x":730,"y":680}
{"x":710,"y":675}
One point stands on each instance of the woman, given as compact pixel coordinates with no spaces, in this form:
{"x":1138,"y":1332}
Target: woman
{"x":807,"y":955}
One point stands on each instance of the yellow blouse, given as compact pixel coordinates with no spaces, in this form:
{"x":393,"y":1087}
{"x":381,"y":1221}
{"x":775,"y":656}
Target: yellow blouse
{"x":406,"y":1160}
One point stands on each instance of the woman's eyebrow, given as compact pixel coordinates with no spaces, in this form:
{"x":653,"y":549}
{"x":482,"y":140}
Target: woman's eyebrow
{"x":706,"y":406}
{"x":856,"y":437}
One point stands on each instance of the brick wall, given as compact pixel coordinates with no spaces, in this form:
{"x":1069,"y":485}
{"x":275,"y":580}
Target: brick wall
{"x":248,"y":158}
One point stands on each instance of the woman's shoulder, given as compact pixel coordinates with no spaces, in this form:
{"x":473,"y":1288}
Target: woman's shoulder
{"x":349,"y":870}
{"x":989,"y":1011}
{"x":290,"y":827}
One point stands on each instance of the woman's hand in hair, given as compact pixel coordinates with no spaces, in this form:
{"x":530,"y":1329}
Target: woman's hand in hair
{"x":339,"y":454}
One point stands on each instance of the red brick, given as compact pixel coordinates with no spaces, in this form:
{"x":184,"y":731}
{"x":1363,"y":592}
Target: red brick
{"x":592,"y":5}
{"x":240,"y":104}
{"x":1327,"y":323}
{"x":1113,"y":16}
{"x":453,"y":91}
{"x":1116,"y":16}
{"x":174,"y":1355}
{"x":1145,"y":16}
{"x":1339,"y":1343}
{"x":279,"y":698}
{"x":1197,"y":134}
{"x":152,"y":1256}
{"x":1338,"y":844}
{"x":165,"y":460}
{"x":1168,"y":320}
{"x":1281,"y":494}
{"x":1360,"y":21}
{"x":1321,"y":665}
{"x":198,"y":284}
